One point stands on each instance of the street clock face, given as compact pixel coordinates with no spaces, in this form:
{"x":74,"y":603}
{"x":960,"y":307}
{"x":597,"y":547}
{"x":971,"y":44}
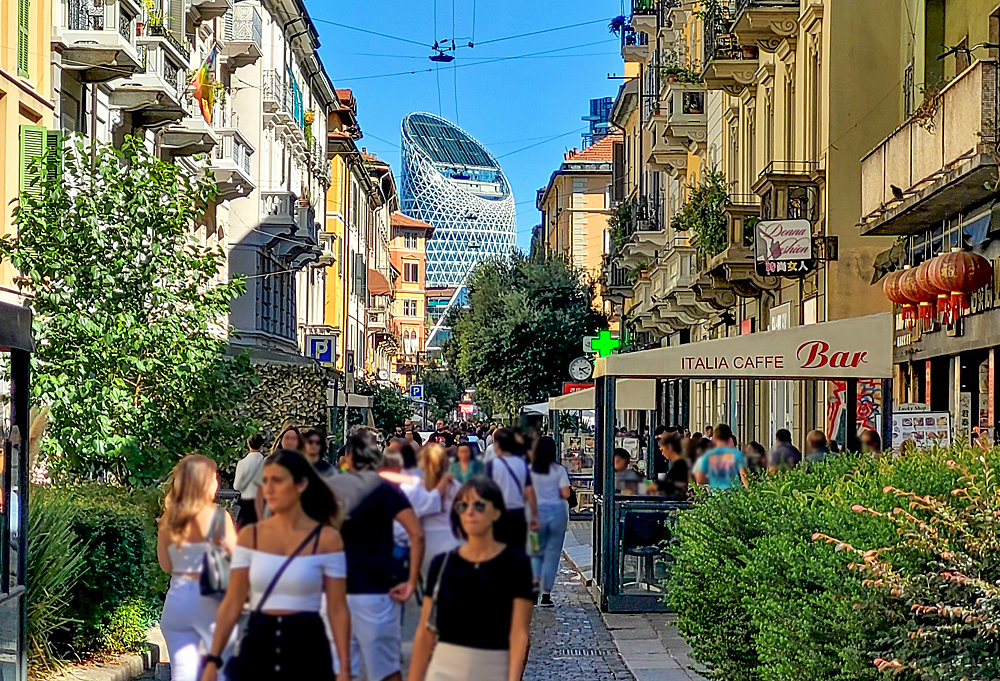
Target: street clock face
{"x":580,"y":369}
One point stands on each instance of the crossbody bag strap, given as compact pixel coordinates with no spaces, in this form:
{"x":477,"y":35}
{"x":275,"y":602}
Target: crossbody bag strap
{"x":213,"y":527}
{"x":517,"y":480}
{"x":284,"y":566}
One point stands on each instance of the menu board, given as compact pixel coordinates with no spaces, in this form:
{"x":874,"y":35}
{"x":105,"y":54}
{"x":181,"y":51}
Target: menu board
{"x":924,"y":428}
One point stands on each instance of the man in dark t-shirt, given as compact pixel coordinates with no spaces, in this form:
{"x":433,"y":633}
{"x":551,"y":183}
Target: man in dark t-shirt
{"x":375,"y":588}
{"x":442,"y":436}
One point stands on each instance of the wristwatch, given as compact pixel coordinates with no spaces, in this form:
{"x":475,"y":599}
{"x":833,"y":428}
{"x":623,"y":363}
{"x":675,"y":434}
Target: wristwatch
{"x":212,"y":659}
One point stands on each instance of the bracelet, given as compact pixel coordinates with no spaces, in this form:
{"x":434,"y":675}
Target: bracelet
{"x":212,"y":659}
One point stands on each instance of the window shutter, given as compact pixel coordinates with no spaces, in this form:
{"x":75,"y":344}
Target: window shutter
{"x":23,"y":14}
{"x":618,"y":171}
{"x":33,"y":144}
{"x":53,"y":149}
{"x":176,"y":12}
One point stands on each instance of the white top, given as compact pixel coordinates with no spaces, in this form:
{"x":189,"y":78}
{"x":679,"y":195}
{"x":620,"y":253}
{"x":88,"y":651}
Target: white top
{"x":439,"y":517}
{"x":187,"y":558}
{"x":300,"y":588}
{"x":547,"y":485}
{"x":249,"y":475}
{"x":510,"y":473}
{"x":489,"y":454}
{"x":423,"y":501}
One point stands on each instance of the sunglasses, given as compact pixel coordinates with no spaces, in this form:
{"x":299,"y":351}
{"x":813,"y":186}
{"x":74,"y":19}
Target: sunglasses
{"x":479,"y":506}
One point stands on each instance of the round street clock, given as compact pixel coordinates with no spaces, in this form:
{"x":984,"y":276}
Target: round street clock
{"x":581,"y":369}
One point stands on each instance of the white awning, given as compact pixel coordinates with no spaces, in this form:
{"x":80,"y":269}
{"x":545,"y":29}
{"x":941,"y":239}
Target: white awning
{"x":537,"y":408}
{"x":845,"y":349}
{"x":633,"y":393}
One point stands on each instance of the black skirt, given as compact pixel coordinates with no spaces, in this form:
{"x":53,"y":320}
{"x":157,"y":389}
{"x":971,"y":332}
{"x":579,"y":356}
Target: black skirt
{"x":284,"y":647}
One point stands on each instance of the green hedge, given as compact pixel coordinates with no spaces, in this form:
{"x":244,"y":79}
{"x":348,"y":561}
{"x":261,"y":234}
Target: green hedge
{"x":109,"y":534}
{"x":759,"y":599}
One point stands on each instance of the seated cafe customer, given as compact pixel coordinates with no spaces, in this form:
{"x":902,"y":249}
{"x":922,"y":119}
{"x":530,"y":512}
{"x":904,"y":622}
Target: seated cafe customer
{"x":627,"y":480}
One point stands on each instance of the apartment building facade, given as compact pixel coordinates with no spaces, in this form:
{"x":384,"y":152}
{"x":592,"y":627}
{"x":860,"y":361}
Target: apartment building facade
{"x":407,"y":248}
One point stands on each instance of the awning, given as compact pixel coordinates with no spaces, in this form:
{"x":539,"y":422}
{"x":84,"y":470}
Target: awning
{"x":855,"y":348}
{"x":539,"y":408}
{"x":633,"y":393}
{"x":378,"y":285}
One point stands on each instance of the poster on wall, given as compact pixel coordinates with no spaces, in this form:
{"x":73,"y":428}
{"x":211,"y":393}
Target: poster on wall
{"x":869,"y":408}
{"x":925,"y":428}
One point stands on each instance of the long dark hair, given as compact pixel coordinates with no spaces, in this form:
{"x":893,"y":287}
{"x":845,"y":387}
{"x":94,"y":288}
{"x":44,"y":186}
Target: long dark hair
{"x":545,"y":454}
{"x":318,"y":501}
{"x":487,"y":490}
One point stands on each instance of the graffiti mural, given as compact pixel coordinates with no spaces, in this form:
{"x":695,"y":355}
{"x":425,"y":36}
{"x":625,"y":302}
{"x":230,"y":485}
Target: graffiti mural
{"x":869,"y":408}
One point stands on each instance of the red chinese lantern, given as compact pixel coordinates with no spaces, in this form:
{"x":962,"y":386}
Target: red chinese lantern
{"x":926,"y":282}
{"x":894,"y":292}
{"x":910,"y":287}
{"x":960,"y":273}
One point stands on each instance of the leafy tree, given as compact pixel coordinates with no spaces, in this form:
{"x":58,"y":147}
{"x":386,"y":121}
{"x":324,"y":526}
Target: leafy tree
{"x":130,"y":314}
{"x":524,"y":324}
{"x":390,"y":409}
{"x":442,"y":389}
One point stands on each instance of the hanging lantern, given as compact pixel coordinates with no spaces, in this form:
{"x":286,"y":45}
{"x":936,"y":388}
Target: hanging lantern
{"x":935,"y":294}
{"x":924,"y":299}
{"x":960,"y":273}
{"x":894,"y":292}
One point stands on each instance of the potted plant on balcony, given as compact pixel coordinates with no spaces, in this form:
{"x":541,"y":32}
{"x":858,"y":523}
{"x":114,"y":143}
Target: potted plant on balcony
{"x":619,"y":24}
{"x":704,"y":216}
{"x":155,"y":19}
{"x":308,"y":118}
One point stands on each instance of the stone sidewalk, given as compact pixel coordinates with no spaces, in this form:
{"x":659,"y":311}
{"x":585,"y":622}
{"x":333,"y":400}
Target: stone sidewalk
{"x":649,"y":643}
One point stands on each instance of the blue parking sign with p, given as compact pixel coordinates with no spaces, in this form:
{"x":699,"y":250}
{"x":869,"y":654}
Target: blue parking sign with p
{"x":323,"y":348}
{"x":416,"y":392}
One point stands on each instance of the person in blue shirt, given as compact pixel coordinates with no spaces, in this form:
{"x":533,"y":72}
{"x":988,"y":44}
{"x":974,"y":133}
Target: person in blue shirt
{"x":723,"y":465}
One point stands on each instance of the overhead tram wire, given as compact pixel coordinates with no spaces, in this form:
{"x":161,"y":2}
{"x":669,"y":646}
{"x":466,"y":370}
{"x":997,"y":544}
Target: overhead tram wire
{"x":454,"y":68}
{"x":365,"y":30}
{"x":544,"y":30}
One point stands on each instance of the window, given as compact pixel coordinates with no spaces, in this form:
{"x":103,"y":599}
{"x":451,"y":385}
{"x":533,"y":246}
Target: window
{"x":35,"y":142}
{"x":411,"y":240}
{"x":908,"y":94}
{"x":409,"y":308}
{"x":410,"y":272}
{"x":23,"y":14}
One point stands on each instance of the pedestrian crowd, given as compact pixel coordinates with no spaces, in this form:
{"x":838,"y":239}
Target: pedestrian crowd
{"x":311,"y":579}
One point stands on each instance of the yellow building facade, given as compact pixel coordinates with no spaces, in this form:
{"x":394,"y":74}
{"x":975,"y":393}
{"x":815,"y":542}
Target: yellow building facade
{"x":25,"y":106}
{"x":758,"y":110}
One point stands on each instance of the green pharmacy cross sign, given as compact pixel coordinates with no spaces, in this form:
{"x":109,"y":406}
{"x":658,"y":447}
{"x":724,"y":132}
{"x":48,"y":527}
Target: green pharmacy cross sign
{"x":604,"y":344}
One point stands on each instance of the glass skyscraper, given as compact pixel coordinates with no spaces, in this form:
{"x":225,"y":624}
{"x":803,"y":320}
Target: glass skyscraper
{"x":454,"y":183}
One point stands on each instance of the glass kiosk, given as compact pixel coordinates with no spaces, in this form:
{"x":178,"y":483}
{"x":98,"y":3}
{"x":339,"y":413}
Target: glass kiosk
{"x":16,"y":345}
{"x":632,"y":534}
{"x":568,"y":422}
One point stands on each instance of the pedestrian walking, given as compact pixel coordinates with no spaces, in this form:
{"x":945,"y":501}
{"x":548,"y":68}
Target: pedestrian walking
{"x":511,"y":475}
{"x":442,"y":435}
{"x":284,"y":566}
{"x":724,"y":465}
{"x":289,"y":437}
{"x":313,"y":440}
{"x":477,"y":611}
{"x":551,"y":484}
{"x":438,"y":535}
{"x":375,"y":588}
{"x":248,"y":478}
{"x":466,"y":464}
{"x":785,"y":456}
{"x":190,"y":525}
{"x":673,"y":483}
{"x":871,"y":443}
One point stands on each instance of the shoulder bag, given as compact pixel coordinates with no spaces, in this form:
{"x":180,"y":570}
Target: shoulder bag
{"x":233,"y":670}
{"x":216,"y":562}
{"x":432,"y":617}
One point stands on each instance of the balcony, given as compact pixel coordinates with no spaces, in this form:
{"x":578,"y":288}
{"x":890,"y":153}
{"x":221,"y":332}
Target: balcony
{"x":766,"y":22}
{"x":289,"y":227}
{"x":676,"y":295}
{"x":277,"y":98}
{"x":790,"y":190}
{"x":727,"y":64}
{"x":641,"y":234}
{"x":667,"y":153}
{"x":244,"y":35}
{"x":98,"y":43}
{"x":645,"y":16}
{"x":681,"y":112}
{"x":635,"y":46}
{"x":378,"y":318}
{"x":192,"y":135}
{"x":616,"y":280}
{"x":734,"y":266}
{"x":206,"y":10}
{"x":231,"y":164}
{"x":155,"y":94}
{"x":938,"y":162}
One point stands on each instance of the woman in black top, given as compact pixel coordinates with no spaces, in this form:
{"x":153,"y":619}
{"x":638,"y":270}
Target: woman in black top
{"x":479,"y":599}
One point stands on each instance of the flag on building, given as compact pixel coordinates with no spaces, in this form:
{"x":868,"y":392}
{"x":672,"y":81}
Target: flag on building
{"x":204,"y":85}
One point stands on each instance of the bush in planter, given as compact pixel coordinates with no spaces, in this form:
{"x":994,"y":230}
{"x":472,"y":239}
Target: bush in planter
{"x":757,"y":599}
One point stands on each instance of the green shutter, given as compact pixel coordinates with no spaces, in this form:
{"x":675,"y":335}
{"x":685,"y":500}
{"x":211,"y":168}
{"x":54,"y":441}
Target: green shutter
{"x":32,"y":147}
{"x":23,"y":12}
{"x":53,"y":154}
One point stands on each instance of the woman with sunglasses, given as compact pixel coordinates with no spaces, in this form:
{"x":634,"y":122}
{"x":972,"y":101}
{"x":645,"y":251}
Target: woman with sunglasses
{"x":482,"y":579}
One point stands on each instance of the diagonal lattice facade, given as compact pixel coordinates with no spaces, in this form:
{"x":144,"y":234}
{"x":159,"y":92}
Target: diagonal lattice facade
{"x":454,"y":183}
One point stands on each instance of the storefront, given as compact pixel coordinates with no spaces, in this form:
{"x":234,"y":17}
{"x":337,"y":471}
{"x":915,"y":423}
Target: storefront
{"x":630,"y":531}
{"x":16,"y":344}
{"x":571,"y":420}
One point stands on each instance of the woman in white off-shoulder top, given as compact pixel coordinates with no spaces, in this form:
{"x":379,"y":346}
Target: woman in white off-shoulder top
{"x":283,"y":566}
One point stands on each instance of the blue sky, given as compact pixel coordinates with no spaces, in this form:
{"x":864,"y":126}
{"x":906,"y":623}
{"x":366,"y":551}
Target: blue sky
{"x":526,"y":110}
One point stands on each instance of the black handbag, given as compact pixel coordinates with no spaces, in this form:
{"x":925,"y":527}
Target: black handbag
{"x":233,"y":669}
{"x":215,"y":565}
{"x":432,"y":616}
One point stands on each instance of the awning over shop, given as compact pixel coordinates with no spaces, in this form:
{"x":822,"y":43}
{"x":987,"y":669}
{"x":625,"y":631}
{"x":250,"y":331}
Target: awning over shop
{"x":378,"y":285}
{"x":539,"y":408}
{"x":855,"y":348}
{"x":633,"y":393}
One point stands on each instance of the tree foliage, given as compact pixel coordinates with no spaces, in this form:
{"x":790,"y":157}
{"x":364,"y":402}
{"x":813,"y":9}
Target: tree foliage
{"x":443,"y":391}
{"x":390,"y":409}
{"x":524,"y":324}
{"x":130,"y":314}
{"x":703,"y":214}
